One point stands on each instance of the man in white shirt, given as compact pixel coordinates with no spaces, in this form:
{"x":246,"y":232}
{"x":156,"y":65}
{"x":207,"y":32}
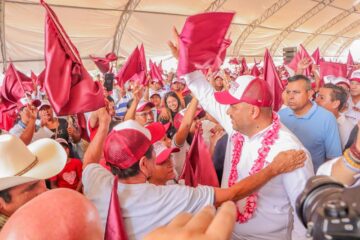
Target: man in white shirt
{"x":333,"y":99}
{"x":246,"y":110}
{"x":128,"y":151}
{"x":353,"y":112}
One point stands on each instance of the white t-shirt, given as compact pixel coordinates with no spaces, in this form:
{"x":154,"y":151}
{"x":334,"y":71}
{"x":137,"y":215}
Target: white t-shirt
{"x":273,"y":218}
{"x":42,"y":132}
{"x":179,"y":157}
{"x":352,"y":113}
{"x":144,"y":206}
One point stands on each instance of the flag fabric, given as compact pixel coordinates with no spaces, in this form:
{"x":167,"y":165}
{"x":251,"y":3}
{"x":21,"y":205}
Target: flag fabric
{"x":272,"y":78}
{"x":301,"y":54}
{"x":199,"y":168}
{"x":201,"y":40}
{"x":7,"y":116}
{"x":316,"y":56}
{"x":234,"y":61}
{"x":103,"y":64}
{"x":244,"y":66}
{"x":350,"y":64}
{"x":255,"y":71}
{"x":15,"y":86}
{"x":221,"y":55}
{"x":68,"y":85}
{"x":134,"y":68}
{"x":332,"y":69}
{"x":115,"y":226}
{"x":38,"y":80}
{"x":155,"y":73}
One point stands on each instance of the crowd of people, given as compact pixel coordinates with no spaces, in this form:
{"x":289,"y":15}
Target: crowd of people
{"x":176,"y":146}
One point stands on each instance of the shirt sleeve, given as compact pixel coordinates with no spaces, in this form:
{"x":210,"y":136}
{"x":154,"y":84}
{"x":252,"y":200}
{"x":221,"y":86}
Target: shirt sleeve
{"x":16,"y":130}
{"x":332,"y":139}
{"x":294,"y":183}
{"x":95,"y":178}
{"x":204,"y":92}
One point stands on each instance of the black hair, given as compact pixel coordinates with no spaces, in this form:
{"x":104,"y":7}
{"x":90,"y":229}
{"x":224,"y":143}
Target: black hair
{"x":338,"y":93}
{"x":5,"y":194}
{"x":131,"y":171}
{"x":301,"y":77}
{"x":110,"y":99}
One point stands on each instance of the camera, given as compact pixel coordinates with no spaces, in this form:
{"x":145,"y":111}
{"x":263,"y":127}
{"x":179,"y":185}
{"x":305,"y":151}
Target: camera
{"x":329,"y":210}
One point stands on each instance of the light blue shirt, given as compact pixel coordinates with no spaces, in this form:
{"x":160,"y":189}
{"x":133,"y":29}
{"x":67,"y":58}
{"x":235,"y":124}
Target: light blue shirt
{"x":317,"y":130}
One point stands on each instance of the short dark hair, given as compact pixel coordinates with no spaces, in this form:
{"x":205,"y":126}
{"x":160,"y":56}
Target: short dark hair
{"x":110,"y":99}
{"x":131,"y":171}
{"x":301,"y":77}
{"x":338,"y":93}
{"x":5,"y":194}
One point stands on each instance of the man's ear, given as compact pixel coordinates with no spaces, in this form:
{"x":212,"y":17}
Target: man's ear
{"x":335,"y":104}
{"x":311,"y":94}
{"x":2,"y":205}
{"x":145,"y":167}
{"x":255,"y":112}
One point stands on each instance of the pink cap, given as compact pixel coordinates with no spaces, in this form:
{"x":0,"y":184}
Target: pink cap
{"x":180,"y":115}
{"x":157,"y":131}
{"x":163,"y":153}
{"x":142,"y":104}
{"x":247,"y":89}
{"x":355,"y":76}
{"x":126,"y":144}
{"x":179,"y":80}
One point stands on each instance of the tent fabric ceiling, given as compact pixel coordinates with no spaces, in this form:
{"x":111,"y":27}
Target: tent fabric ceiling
{"x":97,"y":27}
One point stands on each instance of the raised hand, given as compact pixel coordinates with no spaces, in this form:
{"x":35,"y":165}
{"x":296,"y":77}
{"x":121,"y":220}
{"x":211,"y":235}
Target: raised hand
{"x":174,"y":46}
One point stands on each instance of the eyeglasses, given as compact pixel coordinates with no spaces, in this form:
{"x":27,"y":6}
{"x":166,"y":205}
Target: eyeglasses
{"x":145,"y":114}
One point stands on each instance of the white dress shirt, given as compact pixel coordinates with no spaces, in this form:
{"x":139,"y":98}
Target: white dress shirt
{"x":353,"y":112}
{"x":273,"y":218}
{"x":345,"y":127}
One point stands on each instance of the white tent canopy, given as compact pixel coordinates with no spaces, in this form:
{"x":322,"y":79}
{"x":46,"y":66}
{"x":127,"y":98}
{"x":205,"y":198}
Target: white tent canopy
{"x":99,"y":27}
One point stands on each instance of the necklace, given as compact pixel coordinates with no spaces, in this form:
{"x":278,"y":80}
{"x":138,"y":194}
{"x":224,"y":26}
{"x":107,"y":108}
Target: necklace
{"x":268,"y":140}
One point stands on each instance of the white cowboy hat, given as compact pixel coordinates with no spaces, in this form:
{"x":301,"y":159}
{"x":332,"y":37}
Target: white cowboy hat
{"x":20,"y":164}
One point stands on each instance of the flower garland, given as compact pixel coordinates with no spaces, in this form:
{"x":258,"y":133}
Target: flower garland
{"x":269,"y":138}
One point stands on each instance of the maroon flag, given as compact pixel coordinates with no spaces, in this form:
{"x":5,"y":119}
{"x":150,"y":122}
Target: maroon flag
{"x":221,"y":55}
{"x":301,"y":54}
{"x":115,"y":226}
{"x":234,"y":61}
{"x":15,"y":86}
{"x":244,"y":66}
{"x":201,"y":40}
{"x":104,"y":63}
{"x":155,"y":73}
{"x":255,"y":71}
{"x":7,"y":116}
{"x":316,"y":56}
{"x":199,"y":168}
{"x":38,"y":80}
{"x":142,"y":66}
{"x":68,"y":85}
{"x":272,"y":78}
{"x":350,"y":64}
{"x":332,"y":68}
{"x":133,"y":69}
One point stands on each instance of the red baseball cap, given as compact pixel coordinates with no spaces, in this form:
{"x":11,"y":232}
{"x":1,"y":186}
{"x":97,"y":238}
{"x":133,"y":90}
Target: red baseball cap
{"x":143,"y":104}
{"x":180,"y":115}
{"x":157,"y":131}
{"x":355,"y":76}
{"x":126,"y":144}
{"x":247,"y":89}
{"x":163,"y":153}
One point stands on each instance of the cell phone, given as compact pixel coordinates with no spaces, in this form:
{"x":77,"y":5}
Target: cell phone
{"x":109,"y":81}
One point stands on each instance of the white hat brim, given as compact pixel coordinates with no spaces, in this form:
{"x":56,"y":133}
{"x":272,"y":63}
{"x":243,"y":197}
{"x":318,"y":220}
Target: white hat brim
{"x":51,"y":158}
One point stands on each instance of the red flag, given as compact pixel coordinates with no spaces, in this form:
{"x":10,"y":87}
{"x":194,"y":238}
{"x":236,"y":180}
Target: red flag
{"x":82,"y":125}
{"x":142,"y":66}
{"x":160,"y":67}
{"x":69,"y":86}
{"x":104,"y":63}
{"x":244,"y":66}
{"x":115,"y":226}
{"x":234,"y":61}
{"x":272,"y":78}
{"x":199,"y":168}
{"x":155,"y":73}
{"x":350,"y":60}
{"x":39,"y":80}
{"x":7,"y":116}
{"x":255,"y":71}
{"x":334,"y":69}
{"x":201,"y":40}
{"x":14,"y":86}
{"x":132,"y":69}
{"x":301,"y":54}
{"x":221,"y":55}
{"x":316,"y":56}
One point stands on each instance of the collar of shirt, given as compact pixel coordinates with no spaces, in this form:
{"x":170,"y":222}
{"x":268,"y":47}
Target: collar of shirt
{"x":258,"y":135}
{"x":306,"y":115}
{"x":3,"y":220}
